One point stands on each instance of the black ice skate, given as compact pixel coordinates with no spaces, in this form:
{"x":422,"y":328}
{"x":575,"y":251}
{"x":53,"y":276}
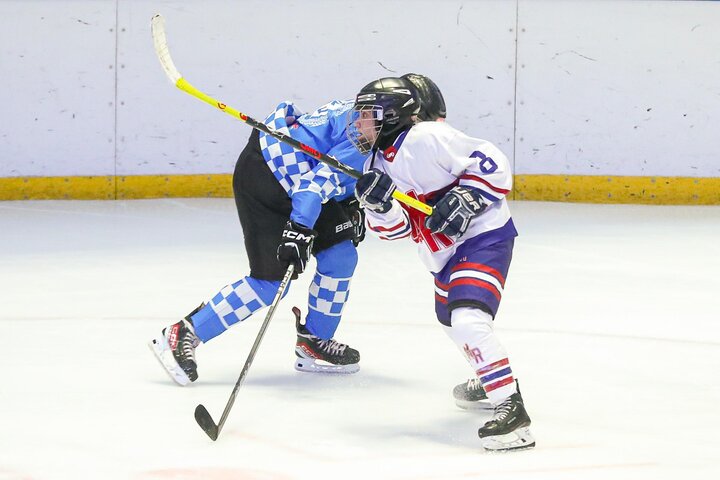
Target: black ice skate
{"x":317,"y":355}
{"x":471,"y":395}
{"x":175,"y":349}
{"x":508,"y":428}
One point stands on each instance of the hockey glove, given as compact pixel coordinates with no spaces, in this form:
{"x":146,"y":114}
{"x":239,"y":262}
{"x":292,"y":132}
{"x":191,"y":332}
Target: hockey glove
{"x":374,"y":191}
{"x":295,"y":246}
{"x":452,"y":214}
{"x":356,"y":214}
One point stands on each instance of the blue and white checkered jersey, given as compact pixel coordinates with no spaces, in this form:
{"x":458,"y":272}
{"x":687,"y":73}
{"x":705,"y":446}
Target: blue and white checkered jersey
{"x":311,"y":183}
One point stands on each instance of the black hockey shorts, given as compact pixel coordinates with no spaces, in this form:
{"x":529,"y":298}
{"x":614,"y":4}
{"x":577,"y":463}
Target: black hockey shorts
{"x":264,"y":209}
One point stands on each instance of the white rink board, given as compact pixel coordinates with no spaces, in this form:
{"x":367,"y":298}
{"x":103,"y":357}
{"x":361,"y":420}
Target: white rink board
{"x":619,"y":88}
{"x":602,"y":87}
{"x":252,"y":57}
{"x":57,"y":101}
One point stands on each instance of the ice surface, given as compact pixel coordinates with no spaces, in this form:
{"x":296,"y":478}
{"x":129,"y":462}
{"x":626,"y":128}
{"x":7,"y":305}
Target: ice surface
{"x":610,"y":316}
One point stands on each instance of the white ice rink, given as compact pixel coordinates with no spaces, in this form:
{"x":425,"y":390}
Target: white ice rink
{"x":610,"y":316}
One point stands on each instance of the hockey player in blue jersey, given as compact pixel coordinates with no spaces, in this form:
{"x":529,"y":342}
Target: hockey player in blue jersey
{"x":291,"y":206}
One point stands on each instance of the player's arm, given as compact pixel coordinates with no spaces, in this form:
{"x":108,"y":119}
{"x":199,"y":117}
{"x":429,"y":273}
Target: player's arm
{"x":484,"y":178}
{"x":488,"y":173}
{"x":314,"y":188}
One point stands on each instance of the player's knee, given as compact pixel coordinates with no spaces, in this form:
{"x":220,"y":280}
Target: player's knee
{"x":339,"y":260}
{"x":265,"y":289}
{"x":471,"y":320}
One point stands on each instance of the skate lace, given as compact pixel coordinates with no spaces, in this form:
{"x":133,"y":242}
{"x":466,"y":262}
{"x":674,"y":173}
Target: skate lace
{"x":332,"y":347}
{"x":473,"y":384}
{"x":189,"y":342}
{"x":502,"y":410}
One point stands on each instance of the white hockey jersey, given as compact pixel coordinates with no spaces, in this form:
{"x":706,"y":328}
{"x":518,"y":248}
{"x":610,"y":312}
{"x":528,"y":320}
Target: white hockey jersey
{"x":427,"y":161}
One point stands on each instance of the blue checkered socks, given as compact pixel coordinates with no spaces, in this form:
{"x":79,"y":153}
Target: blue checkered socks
{"x":326,"y":300}
{"x":232,"y":304}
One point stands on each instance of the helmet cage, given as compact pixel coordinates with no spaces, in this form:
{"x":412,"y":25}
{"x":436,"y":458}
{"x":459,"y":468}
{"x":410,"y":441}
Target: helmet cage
{"x":363,"y":126}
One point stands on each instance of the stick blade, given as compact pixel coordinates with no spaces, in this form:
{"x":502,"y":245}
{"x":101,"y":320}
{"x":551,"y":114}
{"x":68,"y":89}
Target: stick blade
{"x":157,"y":26}
{"x":203,"y":418}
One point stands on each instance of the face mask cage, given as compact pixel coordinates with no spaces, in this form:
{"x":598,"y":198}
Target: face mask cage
{"x":363,"y":126}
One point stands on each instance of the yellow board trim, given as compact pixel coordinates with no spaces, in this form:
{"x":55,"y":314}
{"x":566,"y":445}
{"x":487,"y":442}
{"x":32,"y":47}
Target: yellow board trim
{"x":168,"y":186}
{"x":57,"y":188}
{"x":556,"y":188}
{"x":610,"y":189}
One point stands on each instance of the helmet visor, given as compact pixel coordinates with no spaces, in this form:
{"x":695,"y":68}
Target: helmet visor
{"x":363,"y":126}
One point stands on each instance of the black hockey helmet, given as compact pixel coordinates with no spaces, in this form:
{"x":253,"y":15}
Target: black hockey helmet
{"x":383,"y":109}
{"x":432,"y":103}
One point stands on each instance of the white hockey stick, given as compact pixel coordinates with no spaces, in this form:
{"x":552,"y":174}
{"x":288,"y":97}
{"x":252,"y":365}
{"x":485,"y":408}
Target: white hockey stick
{"x":163,"y":54}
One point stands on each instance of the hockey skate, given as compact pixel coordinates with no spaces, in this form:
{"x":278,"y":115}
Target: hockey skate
{"x":471,"y":396}
{"x":175,"y":350}
{"x":317,"y":355}
{"x":508,"y":429}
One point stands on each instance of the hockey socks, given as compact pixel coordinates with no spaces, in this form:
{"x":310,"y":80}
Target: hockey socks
{"x":472,"y":331}
{"x":330,"y":288}
{"x":232,"y":304}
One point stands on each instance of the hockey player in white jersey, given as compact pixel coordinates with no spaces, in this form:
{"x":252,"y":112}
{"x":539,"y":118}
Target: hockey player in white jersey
{"x":466,"y":243}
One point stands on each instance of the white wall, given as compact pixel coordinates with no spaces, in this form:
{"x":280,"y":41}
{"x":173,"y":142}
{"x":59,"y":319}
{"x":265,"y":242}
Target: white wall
{"x":603,"y":87}
{"x":620,"y":88}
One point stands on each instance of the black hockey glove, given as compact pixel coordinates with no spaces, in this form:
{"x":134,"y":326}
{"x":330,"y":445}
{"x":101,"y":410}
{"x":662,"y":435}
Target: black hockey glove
{"x":452,"y":214}
{"x":374,"y":191}
{"x":357,"y":216}
{"x":295,"y":246}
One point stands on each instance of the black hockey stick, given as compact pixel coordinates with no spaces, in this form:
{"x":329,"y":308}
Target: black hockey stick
{"x":202,"y":416}
{"x":163,"y":54}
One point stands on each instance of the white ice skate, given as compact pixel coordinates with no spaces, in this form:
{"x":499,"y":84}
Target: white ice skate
{"x":175,"y":350}
{"x":324,"y":356}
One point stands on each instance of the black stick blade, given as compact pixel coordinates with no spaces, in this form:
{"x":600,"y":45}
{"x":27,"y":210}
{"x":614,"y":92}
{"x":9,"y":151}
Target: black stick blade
{"x":203,"y":418}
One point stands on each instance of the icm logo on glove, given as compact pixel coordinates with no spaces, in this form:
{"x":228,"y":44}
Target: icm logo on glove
{"x":297,"y":235}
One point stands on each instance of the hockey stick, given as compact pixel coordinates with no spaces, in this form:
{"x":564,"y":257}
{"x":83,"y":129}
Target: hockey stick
{"x":202,"y":416}
{"x":161,"y":48}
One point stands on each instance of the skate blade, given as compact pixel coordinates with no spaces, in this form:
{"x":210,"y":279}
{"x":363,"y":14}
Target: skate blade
{"x":474,"y":405}
{"x":164,"y":355}
{"x":318,"y":366}
{"x":520,"y":439}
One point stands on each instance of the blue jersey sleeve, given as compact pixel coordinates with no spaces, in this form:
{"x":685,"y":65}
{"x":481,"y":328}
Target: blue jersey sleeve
{"x":327,"y":125}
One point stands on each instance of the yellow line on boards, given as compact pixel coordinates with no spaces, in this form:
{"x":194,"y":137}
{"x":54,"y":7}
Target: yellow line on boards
{"x":618,"y":189}
{"x":115,"y":188}
{"x":556,"y":188}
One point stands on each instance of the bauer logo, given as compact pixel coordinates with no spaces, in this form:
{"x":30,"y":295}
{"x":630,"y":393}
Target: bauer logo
{"x":221,"y":106}
{"x":343,"y":226}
